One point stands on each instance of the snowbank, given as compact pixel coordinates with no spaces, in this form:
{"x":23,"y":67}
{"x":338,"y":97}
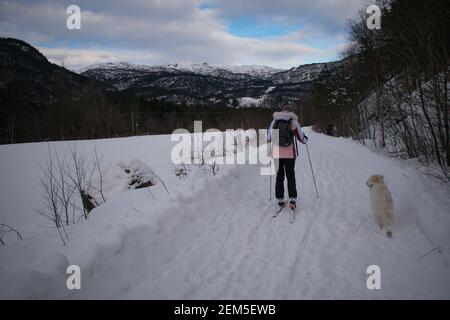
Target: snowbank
{"x":213,"y":237}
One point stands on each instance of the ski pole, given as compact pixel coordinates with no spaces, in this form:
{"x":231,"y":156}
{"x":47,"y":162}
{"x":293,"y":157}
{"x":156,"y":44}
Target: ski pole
{"x":270,"y":185}
{"x":312,"y":171}
{"x":270,"y":175}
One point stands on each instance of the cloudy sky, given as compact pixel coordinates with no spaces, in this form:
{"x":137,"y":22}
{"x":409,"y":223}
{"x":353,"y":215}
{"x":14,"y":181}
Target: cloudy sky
{"x":277,"y":33}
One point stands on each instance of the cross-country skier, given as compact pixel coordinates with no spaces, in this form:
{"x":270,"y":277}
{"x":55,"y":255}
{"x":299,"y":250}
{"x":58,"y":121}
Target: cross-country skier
{"x":284,"y":150}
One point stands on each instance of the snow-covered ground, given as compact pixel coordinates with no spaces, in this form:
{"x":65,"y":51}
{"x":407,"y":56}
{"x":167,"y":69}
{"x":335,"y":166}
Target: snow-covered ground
{"x":249,"y":102}
{"x":214,"y":237}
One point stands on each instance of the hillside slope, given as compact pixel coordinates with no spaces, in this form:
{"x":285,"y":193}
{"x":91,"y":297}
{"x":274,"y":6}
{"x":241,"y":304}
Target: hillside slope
{"x":27,"y":76}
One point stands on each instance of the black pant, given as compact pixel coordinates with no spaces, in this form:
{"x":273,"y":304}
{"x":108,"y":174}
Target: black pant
{"x":285,"y":165}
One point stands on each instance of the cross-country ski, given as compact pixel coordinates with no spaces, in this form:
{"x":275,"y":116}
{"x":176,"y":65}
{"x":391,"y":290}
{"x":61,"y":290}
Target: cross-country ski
{"x":279,"y":209}
{"x":291,"y":215}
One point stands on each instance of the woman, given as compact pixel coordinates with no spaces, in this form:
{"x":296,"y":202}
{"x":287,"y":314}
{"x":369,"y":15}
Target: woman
{"x":286,"y":154}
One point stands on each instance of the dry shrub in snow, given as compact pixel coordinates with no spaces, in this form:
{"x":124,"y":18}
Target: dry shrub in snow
{"x":5,"y":229}
{"x":71,"y":186}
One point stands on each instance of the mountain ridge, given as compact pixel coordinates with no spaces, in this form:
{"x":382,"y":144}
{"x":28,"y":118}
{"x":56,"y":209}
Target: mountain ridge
{"x":25,"y":69}
{"x":204,"y":84}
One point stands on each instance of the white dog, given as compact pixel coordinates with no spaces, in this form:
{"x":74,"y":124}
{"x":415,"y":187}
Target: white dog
{"x":381,"y":203}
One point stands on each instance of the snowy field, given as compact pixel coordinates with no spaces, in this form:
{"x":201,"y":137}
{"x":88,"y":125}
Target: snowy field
{"x":214,"y":237}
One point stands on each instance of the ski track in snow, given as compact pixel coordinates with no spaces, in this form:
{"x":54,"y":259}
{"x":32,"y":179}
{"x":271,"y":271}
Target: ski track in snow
{"x":245,"y":253}
{"x":222,"y":242}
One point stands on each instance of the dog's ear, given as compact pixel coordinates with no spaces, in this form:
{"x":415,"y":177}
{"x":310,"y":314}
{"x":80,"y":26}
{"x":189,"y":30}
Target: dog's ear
{"x":376,"y":178}
{"x":380,"y":178}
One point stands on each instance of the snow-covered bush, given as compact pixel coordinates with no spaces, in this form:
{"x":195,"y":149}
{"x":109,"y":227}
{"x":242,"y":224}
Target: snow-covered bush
{"x":137,"y":174}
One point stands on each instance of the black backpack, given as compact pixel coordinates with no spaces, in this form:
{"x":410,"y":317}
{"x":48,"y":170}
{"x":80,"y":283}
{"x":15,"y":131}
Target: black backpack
{"x":285,"y":133}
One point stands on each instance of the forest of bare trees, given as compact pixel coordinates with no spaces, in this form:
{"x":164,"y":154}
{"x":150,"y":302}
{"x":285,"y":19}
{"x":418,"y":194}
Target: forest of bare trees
{"x":392,"y":86}
{"x":93,"y":114}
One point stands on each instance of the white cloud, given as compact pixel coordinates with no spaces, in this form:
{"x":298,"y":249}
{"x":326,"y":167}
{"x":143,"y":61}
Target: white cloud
{"x":76,"y":59}
{"x":242,"y":51}
{"x":160,"y":31}
{"x":328,"y":14}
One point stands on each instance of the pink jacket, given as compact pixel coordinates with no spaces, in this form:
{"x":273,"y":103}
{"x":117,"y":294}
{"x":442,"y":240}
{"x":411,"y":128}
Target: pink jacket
{"x":289,"y":152}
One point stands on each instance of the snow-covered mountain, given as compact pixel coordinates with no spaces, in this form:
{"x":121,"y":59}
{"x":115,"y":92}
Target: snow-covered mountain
{"x":204,"y":84}
{"x":184,"y":83}
{"x":200,"y":68}
{"x":253,"y":70}
{"x":206,"y":69}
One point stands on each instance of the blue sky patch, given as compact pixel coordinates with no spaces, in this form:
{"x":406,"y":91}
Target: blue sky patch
{"x":256,"y":28}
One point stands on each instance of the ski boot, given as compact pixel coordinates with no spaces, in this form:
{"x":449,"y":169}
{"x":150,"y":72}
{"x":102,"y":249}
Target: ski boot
{"x":281,"y":203}
{"x":292,"y":206}
{"x":292,"y":203}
